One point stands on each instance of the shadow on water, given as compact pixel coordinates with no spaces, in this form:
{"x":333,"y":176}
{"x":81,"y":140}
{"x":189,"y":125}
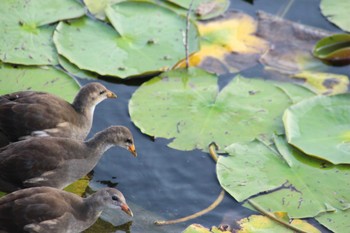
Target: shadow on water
{"x":163,"y":183}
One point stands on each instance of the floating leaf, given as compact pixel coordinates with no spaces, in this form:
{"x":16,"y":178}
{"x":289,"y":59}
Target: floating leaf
{"x":26,"y":36}
{"x":288,"y":181}
{"x":334,"y":50}
{"x":197,"y":228}
{"x":228,"y":44}
{"x":48,"y":79}
{"x":261,"y":224}
{"x":337,"y":221}
{"x":324,"y":83}
{"x":74,"y":70}
{"x":79,"y":187}
{"x":188,"y":107}
{"x":149,"y":40}
{"x":97,"y":8}
{"x":290,"y":44}
{"x":320,"y":127}
{"x":337,"y":12}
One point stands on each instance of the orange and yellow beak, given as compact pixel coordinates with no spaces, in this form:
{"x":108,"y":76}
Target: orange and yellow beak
{"x":132,"y":149}
{"x":111,"y":94}
{"x":127,"y":210}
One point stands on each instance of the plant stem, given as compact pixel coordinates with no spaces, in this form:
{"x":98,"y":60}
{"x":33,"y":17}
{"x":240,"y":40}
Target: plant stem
{"x":186,"y":41}
{"x":195,"y":215}
{"x":273,"y":217}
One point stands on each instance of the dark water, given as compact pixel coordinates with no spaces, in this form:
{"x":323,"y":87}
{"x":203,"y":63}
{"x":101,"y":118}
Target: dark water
{"x":163,"y":183}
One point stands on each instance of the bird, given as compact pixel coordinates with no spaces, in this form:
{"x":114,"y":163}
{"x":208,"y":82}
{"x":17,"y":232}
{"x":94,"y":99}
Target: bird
{"x":47,"y":209}
{"x":57,"y":162}
{"x":27,"y":114}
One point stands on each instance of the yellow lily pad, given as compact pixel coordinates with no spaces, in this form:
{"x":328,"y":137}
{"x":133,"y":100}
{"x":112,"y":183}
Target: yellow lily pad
{"x":79,"y":186}
{"x":259,"y":223}
{"x":228,"y":44}
{"x":324,"y":83}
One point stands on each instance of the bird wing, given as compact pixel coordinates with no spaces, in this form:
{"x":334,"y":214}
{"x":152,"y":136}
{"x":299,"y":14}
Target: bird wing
{"x":21,"y":113}
{"x":30,"y":159}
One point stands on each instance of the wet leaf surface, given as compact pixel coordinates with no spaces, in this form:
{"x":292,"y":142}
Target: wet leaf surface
{"x":26,"y":30}
{"x":320,"y":127}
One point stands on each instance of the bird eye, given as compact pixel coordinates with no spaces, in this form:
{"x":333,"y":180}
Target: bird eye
{"x":128,"y":141}
{"x":115,"y":198}
{"x":102,"y":92}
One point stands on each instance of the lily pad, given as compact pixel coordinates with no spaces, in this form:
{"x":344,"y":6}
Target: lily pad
{"x":74,"y":71}
{"x":97,"y":8}
{"x":336,"y":221}
{"x":334,"y":50}
{"x":204,"y":9}
{"x":148,"y":39}
{"x":261,"y":224}
{"x":320,"y":127}
{"x":26,"y":30}
{"x":290,"y":44}
{"x":287,"y":181}
{"x":197,"y":228}
{"x":324,"y":83}
{"x":228,"y":44}
{"x":48,"y":79}
{"x":186,"y":106}
{"x":337,"y":12}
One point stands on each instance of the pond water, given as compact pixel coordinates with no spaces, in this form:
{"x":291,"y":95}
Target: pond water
{"x":163,"y":183}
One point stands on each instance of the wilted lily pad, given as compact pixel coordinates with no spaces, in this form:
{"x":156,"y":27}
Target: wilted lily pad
{"x":197,"y":228}
{"x":337,"y":12}
{"x":334,"y":50}
{"x":186,"y":106}
{"x":290,"y":44}
{"x":48,"y":79}
{"x":287,"y":181}
{"x":324,"y":83}
{"x":320,"y":127}
{"x":148,"y":39}
{"x":261,"y":224}
{"x":26,"y":36}
{"x":228,"y":44}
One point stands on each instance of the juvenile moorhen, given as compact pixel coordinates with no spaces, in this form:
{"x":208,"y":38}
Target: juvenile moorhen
{"x":28,"y":113}
{"x":54,"y":161}
{"x":50,"y":210}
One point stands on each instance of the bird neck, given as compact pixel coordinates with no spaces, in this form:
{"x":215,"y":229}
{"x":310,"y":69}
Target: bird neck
{"x":100,"y":142}
{"x":94,"y":205}
{"x":82,"y":105}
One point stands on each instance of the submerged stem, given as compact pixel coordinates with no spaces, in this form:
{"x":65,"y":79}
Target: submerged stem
{"x":195,"y":215}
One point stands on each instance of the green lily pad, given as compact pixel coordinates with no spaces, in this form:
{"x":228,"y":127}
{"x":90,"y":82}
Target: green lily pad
{"x":334,"y":50}
{"x":186,"y":106}
{"x":148,"y":39}
{"x":288,"y":181}
{"x":197,"y":228}
{"x":48,"y":79}
{"x":74,"y":71}
{"x":337,"y":12}
{"x":336,"y":221}
{"x":320,"y":127}
{"x":26,"y":33}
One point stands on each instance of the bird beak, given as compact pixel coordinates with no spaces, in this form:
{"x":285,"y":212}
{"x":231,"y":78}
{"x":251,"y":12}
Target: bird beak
{"x":111,"y":95}
{"x":127,"y":210}
{"x":132,"y":149}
